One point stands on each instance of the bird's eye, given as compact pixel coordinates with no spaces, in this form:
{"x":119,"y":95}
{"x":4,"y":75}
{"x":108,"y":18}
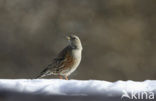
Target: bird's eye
{"x":73,"y":38}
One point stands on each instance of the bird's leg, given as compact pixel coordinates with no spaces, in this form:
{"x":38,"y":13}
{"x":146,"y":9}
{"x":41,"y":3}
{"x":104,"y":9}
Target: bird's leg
{"x":66,"y":77}
{"x":60,"y":77}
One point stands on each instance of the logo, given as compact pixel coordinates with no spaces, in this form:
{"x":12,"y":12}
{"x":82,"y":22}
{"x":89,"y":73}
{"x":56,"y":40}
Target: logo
{"x":148,"y":95}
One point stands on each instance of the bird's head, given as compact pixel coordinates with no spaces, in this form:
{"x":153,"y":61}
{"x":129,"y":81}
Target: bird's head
{"x":74,"y":41}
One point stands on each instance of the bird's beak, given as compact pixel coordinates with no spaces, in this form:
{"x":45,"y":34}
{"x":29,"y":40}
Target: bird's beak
{"x":68,"y":38}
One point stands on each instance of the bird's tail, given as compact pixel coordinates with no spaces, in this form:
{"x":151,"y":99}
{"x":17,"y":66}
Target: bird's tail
{"x":44,"y":73}
{"x":39,"y":76}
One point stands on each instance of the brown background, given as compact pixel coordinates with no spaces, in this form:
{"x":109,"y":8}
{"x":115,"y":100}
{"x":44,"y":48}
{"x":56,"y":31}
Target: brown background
{"x":118,"y":37}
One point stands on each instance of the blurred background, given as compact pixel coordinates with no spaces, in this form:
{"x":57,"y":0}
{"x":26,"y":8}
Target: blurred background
{"x":118,"y":37}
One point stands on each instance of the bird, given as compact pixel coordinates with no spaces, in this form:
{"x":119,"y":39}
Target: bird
{"x":67,"y":61}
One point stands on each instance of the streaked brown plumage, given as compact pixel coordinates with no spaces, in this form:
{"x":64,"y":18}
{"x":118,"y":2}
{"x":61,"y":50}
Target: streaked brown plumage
{"x":67,"y":60}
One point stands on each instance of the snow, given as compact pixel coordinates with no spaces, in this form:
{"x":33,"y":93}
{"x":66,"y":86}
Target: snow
{"x":75,"y":87}
{"x":74,"y":90}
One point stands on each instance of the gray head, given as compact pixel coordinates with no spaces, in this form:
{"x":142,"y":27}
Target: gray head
{"x":74,"y":41}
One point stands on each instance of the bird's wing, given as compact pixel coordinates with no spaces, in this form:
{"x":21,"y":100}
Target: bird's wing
{"x":62,"y":60}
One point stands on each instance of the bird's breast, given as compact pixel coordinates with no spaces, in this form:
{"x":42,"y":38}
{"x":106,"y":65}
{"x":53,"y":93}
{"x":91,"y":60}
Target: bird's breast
{"x":77,"y":54}
{"x":72,"y":62}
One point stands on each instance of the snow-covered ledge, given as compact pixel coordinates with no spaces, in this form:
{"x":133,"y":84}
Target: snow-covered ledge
{"x":70,"y":90}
